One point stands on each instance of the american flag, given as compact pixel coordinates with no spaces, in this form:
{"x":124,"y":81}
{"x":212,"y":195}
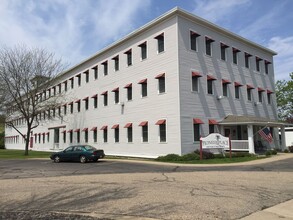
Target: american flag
{"x":266,"y":134}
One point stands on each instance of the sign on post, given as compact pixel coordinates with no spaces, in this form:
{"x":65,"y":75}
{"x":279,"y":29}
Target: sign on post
{"x":214,"y":141}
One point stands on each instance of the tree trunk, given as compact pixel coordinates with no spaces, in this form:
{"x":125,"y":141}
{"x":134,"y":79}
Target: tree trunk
{"x":27,"y":141}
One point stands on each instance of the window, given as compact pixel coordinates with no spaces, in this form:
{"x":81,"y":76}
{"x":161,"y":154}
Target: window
{"x":162,"y":130}
{"x":59,"y":111}
{"x":86,"y":103}
{"x":144,"y":130}
{"x":70,"y":136}
{"x":71,"y":107}
{"x":225,"y":84}
{"x":194,"y":81}
{"x":257,"y":62}
{"x":48,"y":137}
{"x":77,"y":135}
{"x":78,"y":80}
{"x":44,"y":138}
{"x":260,"y":90}
{"x":116,"y":62}
{"x":78,"y":105}
{"x":212,"y":124}
{"x":144,"y":87}
{"x":95,"y":97}
{"x":269,"y":93}
{"x":59,"y":89}
{"x":196,"y":129}
{"x":249,"y":94}
{"x":208,"y":42}
{"x":210,"y":80}
{"x":72,"y":82}
{"x":161,"y":83}
{"x":235,"y":52}
{"x":129,"y":57}
{"x":143,"y":48}
{"x":193,"y":40}
{"x":95,"y":69}
{"x":105,"y":133}
{"x":116,"y":95}
{"x":223,"y":51}
{"x":160,"y":41}
{"x":116,"y":133}
{"x":105,"y":94}
{"x":64,"y":136}
{"x":95,"y":134}
{"x":54,"y":112}
{"x":267,"y":66}
{"x":128,"y":126}
{"x":54,"y":90}
{"x":129,"y":91}
{"x":86,"y":73}
{"x":247,"y":56}
{"x":105,"y":64}
{"x":86,"y":135}
{"x":237,"y":90}
{"x":65,"y":86}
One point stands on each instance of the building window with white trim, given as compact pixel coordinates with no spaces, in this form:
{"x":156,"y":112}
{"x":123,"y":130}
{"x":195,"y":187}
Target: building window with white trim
{"x":249,"y":93}
{"x":105,"y":64}
{"x":260,"y":91}
{"x":235,"y":52}
{"x":247,"y":58}
{"x":64,"y":137}
{"x":72,"y":82}
{"x":144,"y":131}
{"x":95,"y":69}
{"x":237,"y":90}
{"x":210,"y":89}
{"x":95,"y":135}
{"x":267,"y":66}
{"x":208,"y":44}
{"x":195,"y":81}
{"x":144,"y":87}
{"x":160,"y":42}
{"x":161,"y":83}
{"x":129,"y":57}
{"x":193,"y":40}
{"x":105,"y":134}
{"x":70,"y":136}
{"x":78,"y":80}
{"x":269,"y":95}
{"x":116,"y":95}
{"x":143,"y":50}
{"x":86,"y":135}
{"x":78,"y":105}
{"x":86,"y":73}
{"x":105,"y":94}
{"x":86,"y":103}
{"x":128,"y":126}
{"x":77,"y":135}
{"x":116,"y":133}
{"x":128,"y":87}
{"x":223,"y":51}
{"x":162,"y":130}
{"x":257,"y":63}
{"x":116,"y":62}
{"x":196,"y":129}
{"x":95,"y":98}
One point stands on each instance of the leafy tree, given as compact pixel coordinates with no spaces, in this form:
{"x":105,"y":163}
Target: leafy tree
{"x":26,"y":74}
{"x":284,"y":93}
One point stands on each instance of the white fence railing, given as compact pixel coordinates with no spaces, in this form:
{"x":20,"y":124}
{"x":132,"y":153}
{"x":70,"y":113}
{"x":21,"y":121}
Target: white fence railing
{"x":239,"y":145}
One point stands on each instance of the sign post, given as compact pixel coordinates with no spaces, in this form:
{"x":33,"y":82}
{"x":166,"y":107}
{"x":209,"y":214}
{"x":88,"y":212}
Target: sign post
{"x":215,"y":141}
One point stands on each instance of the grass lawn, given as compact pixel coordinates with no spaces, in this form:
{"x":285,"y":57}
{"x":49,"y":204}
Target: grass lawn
{"x":19,"y":154}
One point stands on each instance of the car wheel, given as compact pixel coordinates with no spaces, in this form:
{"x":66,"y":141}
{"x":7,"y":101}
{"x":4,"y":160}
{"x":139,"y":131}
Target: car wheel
{"x":95,"y":160}
{"x":82,"y":159}
{"x":56,"y":159}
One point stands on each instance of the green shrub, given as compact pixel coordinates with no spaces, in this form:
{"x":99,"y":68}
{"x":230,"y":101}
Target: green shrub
{"x":2,"y":145}
{"x":205,"y":154}
{"x":274,"y":152}
{"x":268,"y":153}
{"x":190,"y":157}
{"x":290,"y":149}
{"x":286,"y":151}
{"x":169,"y":157}
{"x":241,"y":154}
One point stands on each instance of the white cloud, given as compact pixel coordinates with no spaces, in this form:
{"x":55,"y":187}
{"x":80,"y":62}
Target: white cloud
{"x":217,"y":10}
{"x":73,"y":29}
{"x":283,"y":62}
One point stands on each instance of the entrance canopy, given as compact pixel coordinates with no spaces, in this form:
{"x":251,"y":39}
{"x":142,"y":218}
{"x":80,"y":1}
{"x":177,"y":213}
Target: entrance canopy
{"x":250,"y":120}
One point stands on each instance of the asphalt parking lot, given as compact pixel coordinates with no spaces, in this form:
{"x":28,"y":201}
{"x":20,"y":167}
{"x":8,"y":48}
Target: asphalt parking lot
{"x":40,"y":189}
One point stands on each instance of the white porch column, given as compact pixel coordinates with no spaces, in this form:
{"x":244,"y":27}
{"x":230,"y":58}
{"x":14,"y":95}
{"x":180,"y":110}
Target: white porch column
{"x":250,"y":139}
{"x":283,"y":138}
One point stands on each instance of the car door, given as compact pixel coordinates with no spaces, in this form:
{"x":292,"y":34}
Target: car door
{"x":67,"y":154}
{"x":77,"y":151}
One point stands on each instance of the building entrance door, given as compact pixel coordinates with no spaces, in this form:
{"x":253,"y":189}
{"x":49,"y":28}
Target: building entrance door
{"x":56,"y":138}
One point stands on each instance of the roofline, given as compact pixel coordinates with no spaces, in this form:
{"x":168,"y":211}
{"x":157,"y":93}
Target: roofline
{"x":165,"y":16}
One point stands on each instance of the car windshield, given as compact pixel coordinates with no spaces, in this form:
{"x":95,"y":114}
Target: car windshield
{"x":89,"y":148}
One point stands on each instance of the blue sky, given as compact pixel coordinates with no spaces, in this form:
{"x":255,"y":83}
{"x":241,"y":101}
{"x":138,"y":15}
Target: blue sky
{"x":77,"y":29}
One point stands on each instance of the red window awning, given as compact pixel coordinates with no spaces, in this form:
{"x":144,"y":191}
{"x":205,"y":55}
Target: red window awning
{"x":104,"y":127}
{"x":267,"y":62}
{"x":128,"y":125}
{"x":226,"y":81}
{"x":104,"y":93}
{"x":116,"y":89}
{"x":247,"y":54}
{"x":249,"y":87}
{"x":212,"y":122}
{"x":85,"y":129}
{"x":64,"y":104}
{"x":197,"y":121}
{"x":116,"y":57}
{"x":77,"y":130}
{"x":143,"y":81}
{"x":47,"y":133}
{"x":142,"y":44}
{"x":160,"y":35}
{"x":70,"y":103}
{"x":269,"y":91}
{"x":78,"y":75}
{"x":209,"y":39}
{"x":237,"y":84}
{"x":224,"y":45}
{"x":144,"y":123}
{"x":95,"y":96}
{"x":210,"y":77}
{"x":162,"y":75}
{"x":260,"y":89}
{"x":63,"y":131}
{"x":161,"y":122}
{"x":115,"y":126}
{"x":86,"y":98}
{"x":77,"y":101}
{"x":128,"y":85}
{"x":258,"y":58}
{"x":235,"y":50}
{"x":196,"y":74}
{"x":69,"y":131}
{"x":128,"y":51}
{"x":94,"y":129}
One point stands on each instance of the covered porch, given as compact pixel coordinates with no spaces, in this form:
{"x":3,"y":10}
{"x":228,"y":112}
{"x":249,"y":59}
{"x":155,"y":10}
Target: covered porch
{"x":243,"y":131}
